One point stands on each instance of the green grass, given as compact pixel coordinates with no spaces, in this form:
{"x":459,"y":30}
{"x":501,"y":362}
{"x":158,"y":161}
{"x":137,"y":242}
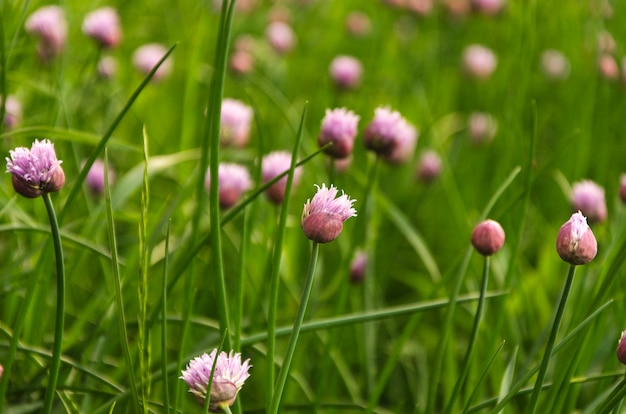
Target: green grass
{"x":156,"y":274}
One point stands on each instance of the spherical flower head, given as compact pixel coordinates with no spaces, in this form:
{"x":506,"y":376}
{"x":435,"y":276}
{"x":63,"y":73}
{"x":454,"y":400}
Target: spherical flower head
{"x":95,"y":177}
{"x":230,"y":375}
{"x":488,"y":237}
{"x":339,"y":127}
{"x":429,"y":166}
{"x":49,"y":25}
{"x":575,"y":242}
{"x":103,"y":25}
{"x":281,"y":37}
{"x":274,"y":164}
{"x":479,"y":61}
{"x":323,"y":216}
{"x":346,"y":71}
{"x":588,"y":198}
{"x":621,"y":349}
{"x":390,"y":135}
{"x":554,"y":65}
{"x":357,"y":267}
{"x":233,"y":181}
{"x":405,"y":143}
{"x":482,"y":127}
{"x":241,"y":62}
{"x":12,"y":112}
{"x":235,"y":121}
{"x":147,"y":56}
{"x":36,"y":170}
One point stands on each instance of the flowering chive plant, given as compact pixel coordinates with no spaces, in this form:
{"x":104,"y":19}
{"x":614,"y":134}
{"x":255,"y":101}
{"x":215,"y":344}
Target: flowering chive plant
{"x":229,"y":376}
{"x":36,"y":170}
{"x":323,"y":216}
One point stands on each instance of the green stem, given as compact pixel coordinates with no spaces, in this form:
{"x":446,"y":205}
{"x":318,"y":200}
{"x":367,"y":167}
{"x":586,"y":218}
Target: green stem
{"x":548,"y":352}
{"x":55,"y":363}
{"x":474,"y":335}
{"x":166,"y":394}
{"x":293,"y":339}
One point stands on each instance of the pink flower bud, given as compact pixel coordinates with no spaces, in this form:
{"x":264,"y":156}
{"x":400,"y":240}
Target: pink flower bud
{"x":346,"y":71}
{"x":482,"y":127}
{"x":575,"y":242}
{"x":479,"y":61}
{"x":281,"y":37}
{"x":95,"y":177}
{"x":103,"y":25}
{"x":36,"y":170}
{"x":233,"y":181}
{"x":588,"y":198}
{"x":323,"y":216}
{"x":554,"y":65}
{"x":339,"y":127}
{"x":49,"y":25}
{"x":488,"y":237}
{"x":621,"y":349}
{"x":147,"y":56}
{"x":276,"y":163}
{"x":357,"y":267}
{"x":429,"y":166}
{"x":622,"y":188}
{"x":608,"y":67}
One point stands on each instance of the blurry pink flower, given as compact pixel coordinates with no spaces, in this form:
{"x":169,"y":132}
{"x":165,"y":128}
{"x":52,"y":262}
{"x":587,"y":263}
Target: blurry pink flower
{"x":405,"y":144}
{"x":339,"y":127}
{"x":12,"y":112}
{"x":342,"y":164}
{"x":588,"y":198}
{"x":235,"y":120}
{"x":241,"y":62}
{"x":420,"y":7}
{"x":429,"y":166}
{"x":575,"y":242}
{"x":358,"y":23}
{"x":621,"y":349}
{"x":233,"y":181}
{"x":488,"y":7}
{"x":1,"y":370}
{"x":49,"y":25}
{"x":346,"y":71}
{"x":274,"y":164}
{"x":608,"y":67}
{"x":147,"y":56}
{"x":95,"y":177}
{"x":281,"y":37}
{"x":358,"y":267}
{"x":390,"y":135}
{"x":554,"y":65}
{"x":479,"y":61}
{"x":103,"y":25}
{"x":482,"y":127}
{"x":488,"y":237}
{"x":622,"y":188}
{"x":107,"y":67}
{"x":323,"y":216}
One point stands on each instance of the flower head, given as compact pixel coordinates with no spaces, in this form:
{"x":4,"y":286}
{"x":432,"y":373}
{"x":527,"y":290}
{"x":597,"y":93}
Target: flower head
{"x":103,"y":25}
{"x":95,"y":177}
{"x":622,"y":188}
{"x":358,"y":266}
{"x":230,"y":375}
{"x":390,"y":135}
{"x":233,"y":181}
{"x":482,"y":127}
{"x":588,"y":198}
{"x":488,"y":237}
{"x":346,"y":71}
{"x":36,"y":170}
{"x":339,"y":127}
{"x":479,"y":61}
{"x":323,"y":216}
{"x":147,"y":56}
{"x":554,"y":65}
{"x":621,"y":349}
{"x":575,"y":242}
{"x":280,"y":36}
{"x":429,"y":166}
{"x":235,"y":121}
{"x":274,"y":164}
{"x":49,"y":25}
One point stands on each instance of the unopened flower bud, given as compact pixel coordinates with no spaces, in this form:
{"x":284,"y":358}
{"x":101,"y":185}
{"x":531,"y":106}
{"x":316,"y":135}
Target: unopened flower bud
{"x":621,"y":349}
{"x":488,"y":237}
{"x":575,"y":242}
{"x":622,"y":188}
{"x":588,"y":198}
{"x":357,"y":267}
{"x":323,"y":216}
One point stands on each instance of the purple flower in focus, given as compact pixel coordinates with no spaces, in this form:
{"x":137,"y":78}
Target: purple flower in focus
{"x":339,"y":127}
{"x":235,"y":120}
{"x":588,"y":198}
{"x":49,"y":25}
{"x":346,"y":71}
{"x":233,"y":181}
{"x":229,"y":376}
{"x":147,"y":56}
{"x":390,"y":135}
{"x":36,"y":170}
{"x":323,"y":216}
{"x":95,"y":177}
{"x":575,"y":242}
{"x":103,"y":25}
{"x":276,"y":163}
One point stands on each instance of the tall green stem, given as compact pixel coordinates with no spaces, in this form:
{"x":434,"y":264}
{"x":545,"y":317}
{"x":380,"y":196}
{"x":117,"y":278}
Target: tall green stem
{"x":548,"y":352}
{"x":293,"y":339}
{"x":55,"y":363}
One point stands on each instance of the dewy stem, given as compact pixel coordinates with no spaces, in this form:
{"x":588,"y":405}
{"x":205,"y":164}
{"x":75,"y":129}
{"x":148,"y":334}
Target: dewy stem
{"x":293,"y":339}
{"x":55,"y":363}
{"x":548,"y":352}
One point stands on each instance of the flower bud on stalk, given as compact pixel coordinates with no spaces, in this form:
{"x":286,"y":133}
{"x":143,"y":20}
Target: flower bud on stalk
{"x":575,"y":242}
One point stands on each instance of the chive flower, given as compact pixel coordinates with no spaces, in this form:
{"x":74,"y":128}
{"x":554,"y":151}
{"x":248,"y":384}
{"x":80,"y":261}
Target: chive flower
{"x":274,"y":164}
{"x":233,"y":180}
{"x":621,"y":349}
{"x":323,"y":216}
{"x":575,"y":242}
{"x":390,"y":136}
{"x":36,"y":170}
{"x":49,"y":25}
{"x":339,"y":127}
{"x":103,"y":26}
{"x":229,"y":376}
{"x":488,"y":237}
{"x":588,"y":198}
{"x":235,"y":120}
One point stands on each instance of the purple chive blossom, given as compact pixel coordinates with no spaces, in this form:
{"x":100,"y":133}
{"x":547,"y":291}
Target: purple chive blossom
{"x":575,"y":242}
{"x":339,"y":127}
{"x":621,"y":349}
{"x":147,"y":56}
{"x":281,"y":37}
{"x":488,"y":237}
{"x":406,"y":141}
{"x":233,"y":181}
{"x":479,"y":61}
{"x":276,"y":163}
{"x":49,"y":25}
{"x":390,"y":135}
{"x":230,"y":375}
{"x":36,"y":170}
{"x":323,"y":216}
{"x":588,"y":198}
{"x":235,"y":120}
{"x":103,"y":25}
{"x":95,"y":177}
{"x":429,"y":166}
{"x":346,"y":71}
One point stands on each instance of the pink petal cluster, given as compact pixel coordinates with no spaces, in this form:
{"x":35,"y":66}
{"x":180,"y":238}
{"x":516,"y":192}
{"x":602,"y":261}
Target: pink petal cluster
{"x":339,"y":127}
{"x":233,"y":181}
{"x":390,"y":136}
{"x":103,"y":25}
{"x":346,"y":71}
{"x":228,"y":379}
{"x":235,"y":121}
{"x":588,"y":198}
{"x":488,"y":237}
{"x":479,"y":61}
{"x":95,"y":177}
{"x":575,"y":242}
{"x":429,"y":166}
{"x":274,"y":164}
{"x":36,"y":170}
{"x":323,"y":216}
{"x":49,"y":25}
{"x":147,"y":56}
{"x":281,"y":37}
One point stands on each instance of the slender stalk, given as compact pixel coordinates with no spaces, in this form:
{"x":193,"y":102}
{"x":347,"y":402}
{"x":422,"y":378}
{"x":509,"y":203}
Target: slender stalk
{"x":55,"y":363}
{"x":470,"y":347}
{"x":548,"y":352}
{"x":166,"y":394}
{"x":293,"y":339}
